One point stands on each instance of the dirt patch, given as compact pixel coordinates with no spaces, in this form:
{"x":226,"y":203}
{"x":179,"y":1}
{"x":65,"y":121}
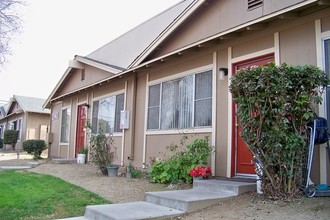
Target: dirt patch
{"x":248,"y":206}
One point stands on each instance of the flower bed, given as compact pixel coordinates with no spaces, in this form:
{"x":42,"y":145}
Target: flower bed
{"x":200,"y":171}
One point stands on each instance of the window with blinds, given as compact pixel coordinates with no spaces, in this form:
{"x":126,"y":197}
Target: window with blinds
{"x":106,"y":114}
{"x":181,"y":103}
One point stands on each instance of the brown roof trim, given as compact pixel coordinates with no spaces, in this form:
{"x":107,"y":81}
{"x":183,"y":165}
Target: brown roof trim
{"x":196,"y":44}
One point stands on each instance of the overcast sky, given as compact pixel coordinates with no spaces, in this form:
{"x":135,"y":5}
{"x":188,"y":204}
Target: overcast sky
{"x":54,"y":31}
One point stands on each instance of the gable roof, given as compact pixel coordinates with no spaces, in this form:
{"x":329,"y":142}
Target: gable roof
{"x":29,"y":104}
{"x":126,"y":49}
{"x":129,"y":50}
{"x":3,"y":110}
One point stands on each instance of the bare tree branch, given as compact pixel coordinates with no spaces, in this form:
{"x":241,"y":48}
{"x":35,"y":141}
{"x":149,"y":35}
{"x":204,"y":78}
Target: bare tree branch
{"x":10,"y":25}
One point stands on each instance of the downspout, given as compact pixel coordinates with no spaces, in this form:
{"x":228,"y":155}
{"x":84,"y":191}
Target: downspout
{"x":214,"y":110}
{"x":134,"y":95}
{"x":49,"y":133}
{"x":144,"y":153}
{"x":86,"y":141}
{"x":123,"y":132}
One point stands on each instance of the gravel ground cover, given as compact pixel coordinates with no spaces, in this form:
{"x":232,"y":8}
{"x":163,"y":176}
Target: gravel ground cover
{"x":248,"y":206}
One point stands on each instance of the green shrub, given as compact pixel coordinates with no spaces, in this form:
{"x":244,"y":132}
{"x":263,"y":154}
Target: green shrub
{"x":10,"y":137}
{"x":136,"y":173}
{"x":274,"y":105}
{"x":83,"y":150}
{"x":34,"y":147}
{"x":1,"y":143}
{"x":177,"y":167}
{"x":102,"y":151}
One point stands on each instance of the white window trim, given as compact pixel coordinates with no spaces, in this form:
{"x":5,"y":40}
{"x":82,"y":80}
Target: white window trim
{"x":179,"y":75}
{"x":63,"y":143}
{"x":3,"y":131}
{"x":20,"y":130}
{"x":114,"y":134}
{"x":320,"y":54}
{"x":195,"y":71}
{"x":180,"y":131}
{"x":108,"y":95}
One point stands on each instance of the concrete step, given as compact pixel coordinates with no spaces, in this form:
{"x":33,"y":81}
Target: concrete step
{"x":14,"y":167}
{"x":187,"y":200}
{"x":132,"y":210}
{"x":204,"y":193}
{"x":64,"y":160}
{"x":33,"y":164}
{"x":76,"y":218}
{"x":225,"y":185}
{"x":167,"y":204}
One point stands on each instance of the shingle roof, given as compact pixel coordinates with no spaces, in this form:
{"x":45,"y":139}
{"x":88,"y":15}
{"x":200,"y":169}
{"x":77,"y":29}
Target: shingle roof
{"x":123,"y":51}
{"x":31,"y":104}
{"x":130,"y":49}
{"x":3,"y":109}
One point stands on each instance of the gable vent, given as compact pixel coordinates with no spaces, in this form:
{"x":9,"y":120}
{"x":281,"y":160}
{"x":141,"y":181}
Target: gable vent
{"x":82,"y":74}
{"x":252,"y":4}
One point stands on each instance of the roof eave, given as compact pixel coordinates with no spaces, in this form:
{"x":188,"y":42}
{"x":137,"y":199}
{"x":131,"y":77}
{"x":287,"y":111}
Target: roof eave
{"x":98,"y":65}
{"x":68,"y":70}
{"x":232,"y":30}
{"x":172,"y":26}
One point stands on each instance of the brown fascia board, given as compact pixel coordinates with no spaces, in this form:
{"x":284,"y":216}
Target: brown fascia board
{"x":14,"y":113}
{"x":100,"y":65}
{"x":47,"y":102}
{"x":170,"y":28}
{"x":107,"y":67}
{"x":217,"y":36}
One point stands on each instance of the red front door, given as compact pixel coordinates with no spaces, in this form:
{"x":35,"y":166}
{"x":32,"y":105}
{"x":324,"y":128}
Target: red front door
{"x":81,"y":122}
{"x":242,"y":157}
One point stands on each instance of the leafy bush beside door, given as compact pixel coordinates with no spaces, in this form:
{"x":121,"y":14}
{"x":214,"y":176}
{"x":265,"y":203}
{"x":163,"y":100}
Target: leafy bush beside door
{"x":274,"y":104}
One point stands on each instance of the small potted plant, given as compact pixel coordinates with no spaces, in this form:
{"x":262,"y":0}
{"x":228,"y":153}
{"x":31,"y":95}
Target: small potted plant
{"x":103,"y":153}
{"x":200,"y":172}
{"x":81,"y":157}
{"x":129,"y":170}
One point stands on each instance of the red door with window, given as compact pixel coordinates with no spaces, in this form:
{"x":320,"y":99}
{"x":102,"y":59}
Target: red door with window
{"x":81,"y":122}
{"x":242,"y":162}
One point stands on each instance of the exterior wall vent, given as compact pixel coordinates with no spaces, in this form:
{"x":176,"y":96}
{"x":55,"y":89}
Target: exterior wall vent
{"x":82,"y":74}
{"x":252,"y":4}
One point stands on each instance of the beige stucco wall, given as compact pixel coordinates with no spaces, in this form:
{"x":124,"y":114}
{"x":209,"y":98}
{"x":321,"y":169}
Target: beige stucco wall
{"x":222,"y":119}
{"x":33,"y":124}
{"x":55,"y":121}
{"x":74,"y":82}
{"x":216,"y":17}
{"x":157,"y":147}
{"x":30,"y":121}
{"x":296,"y":46}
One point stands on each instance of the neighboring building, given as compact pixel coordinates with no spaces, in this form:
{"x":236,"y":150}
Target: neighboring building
{"x":165,"y":75}
{"x":26,"y":115}
{"x":3,"y":109}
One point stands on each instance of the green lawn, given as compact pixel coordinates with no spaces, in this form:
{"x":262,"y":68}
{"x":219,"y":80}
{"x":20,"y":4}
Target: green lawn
{"x":25,"y":195}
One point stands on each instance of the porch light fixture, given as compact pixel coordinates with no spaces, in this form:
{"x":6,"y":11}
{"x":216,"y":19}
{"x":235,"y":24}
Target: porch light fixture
{"x":222,"y":73}
{"x":86,"y":105}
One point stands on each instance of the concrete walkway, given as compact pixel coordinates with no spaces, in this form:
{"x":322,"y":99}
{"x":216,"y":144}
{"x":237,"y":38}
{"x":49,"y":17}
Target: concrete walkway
{"x":29,"y":165}
{"x":167,"y":204}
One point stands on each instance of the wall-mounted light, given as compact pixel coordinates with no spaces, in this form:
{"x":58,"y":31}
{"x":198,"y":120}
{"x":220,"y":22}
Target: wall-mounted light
{"x":222,"y":73}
